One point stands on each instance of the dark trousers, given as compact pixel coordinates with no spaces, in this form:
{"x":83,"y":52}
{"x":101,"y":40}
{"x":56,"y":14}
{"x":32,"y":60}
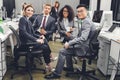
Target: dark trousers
{"x":45,"y":47}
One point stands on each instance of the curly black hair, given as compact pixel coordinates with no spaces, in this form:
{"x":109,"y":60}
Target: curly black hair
{"x":70,"y":11}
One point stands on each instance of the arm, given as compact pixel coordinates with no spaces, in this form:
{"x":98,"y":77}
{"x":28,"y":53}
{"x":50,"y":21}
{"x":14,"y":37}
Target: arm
{"x":22,"y":29}
{"x":84,"y":34}
{"x":35,"y":24}
{"x":51,"y":28}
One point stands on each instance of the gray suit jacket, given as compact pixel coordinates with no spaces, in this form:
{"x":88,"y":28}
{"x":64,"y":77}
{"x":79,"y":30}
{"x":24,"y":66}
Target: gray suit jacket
{"x":81,"y":41}
{"x":61,"y":27}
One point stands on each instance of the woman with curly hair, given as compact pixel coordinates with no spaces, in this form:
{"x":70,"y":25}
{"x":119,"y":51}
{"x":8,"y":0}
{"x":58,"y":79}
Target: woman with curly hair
{"x":65,"y":23}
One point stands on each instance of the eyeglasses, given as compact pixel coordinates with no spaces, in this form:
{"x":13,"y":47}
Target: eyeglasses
{"x":80,"y":11}
{"x":65,"y":11}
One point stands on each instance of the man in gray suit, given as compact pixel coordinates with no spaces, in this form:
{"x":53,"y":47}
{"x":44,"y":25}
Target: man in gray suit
{"x":44,"y":24}
{"x":81,"y":39}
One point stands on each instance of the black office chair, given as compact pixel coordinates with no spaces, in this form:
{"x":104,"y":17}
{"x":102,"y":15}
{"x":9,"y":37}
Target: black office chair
{"x":91,"y":54}
{"x":25,"y":50}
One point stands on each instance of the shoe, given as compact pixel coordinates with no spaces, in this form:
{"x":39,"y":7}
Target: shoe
{"x":48,"y":68}
{"x":54,"y":59}
{"x":52,"y":76}
{"x":67,"y":69}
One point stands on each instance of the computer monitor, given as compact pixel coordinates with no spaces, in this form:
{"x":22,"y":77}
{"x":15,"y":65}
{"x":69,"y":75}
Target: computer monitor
{"x":112,"y":28}
{"x":97,"y":16}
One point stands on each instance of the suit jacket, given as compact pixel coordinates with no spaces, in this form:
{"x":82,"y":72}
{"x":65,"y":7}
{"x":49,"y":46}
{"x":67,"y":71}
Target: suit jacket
{"x":50,"y":25}
{"x":54,"y":13}
{"x":61,"y":27}
{"x":62,"y":30}
{"x":26,"y":31}
{"x":81,"y":41}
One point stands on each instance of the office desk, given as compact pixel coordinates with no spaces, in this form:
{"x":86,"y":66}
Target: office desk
{"x":104,"y":51}
{"x":115,"y":57}
{"x":3,"y":38}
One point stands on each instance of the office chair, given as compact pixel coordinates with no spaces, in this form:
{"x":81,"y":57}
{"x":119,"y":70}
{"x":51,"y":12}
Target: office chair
{"x":91,"y":53}
{"x":25,"y":50}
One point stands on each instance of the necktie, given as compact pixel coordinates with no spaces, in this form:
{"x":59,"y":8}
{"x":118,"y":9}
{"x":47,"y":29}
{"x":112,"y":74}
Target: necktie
{"x":44,"y":22}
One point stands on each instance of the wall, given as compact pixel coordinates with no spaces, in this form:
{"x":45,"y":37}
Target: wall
{"x":38,"y":4}
{"x":93,"y":5}
{"x":105,"y":5}
{"x":1,"y":3}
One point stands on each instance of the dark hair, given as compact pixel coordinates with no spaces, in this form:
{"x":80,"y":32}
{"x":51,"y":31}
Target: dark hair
{"x":47,"y":4}
{"x":56,"y":2}
{"x":29,"y":5}
{"x":70,"y":11}
{"x":23,"y":6}
{"x":82,"y":5}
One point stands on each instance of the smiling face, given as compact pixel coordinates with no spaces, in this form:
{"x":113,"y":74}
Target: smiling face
{"x":47,"y":9}
{"x":65,"y":13}
{"x":81,"y":12}
{"x":29,"y":11}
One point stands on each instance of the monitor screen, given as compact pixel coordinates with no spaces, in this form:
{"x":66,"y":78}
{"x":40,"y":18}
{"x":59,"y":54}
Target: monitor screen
{"x":111,"y":29}
{"x":97,"y":16}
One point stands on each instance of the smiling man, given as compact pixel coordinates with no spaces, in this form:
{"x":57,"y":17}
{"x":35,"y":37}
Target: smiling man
{"x":44,"y":24}
{"x":84,"y":27}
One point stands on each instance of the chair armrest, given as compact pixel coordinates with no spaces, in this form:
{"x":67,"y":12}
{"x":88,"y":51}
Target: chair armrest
{"x":29,"y":46}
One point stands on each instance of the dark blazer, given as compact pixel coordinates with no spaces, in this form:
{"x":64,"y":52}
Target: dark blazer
{"x":50,"y":25}
{"x":26,"y":31}
{"x":54,"y":13}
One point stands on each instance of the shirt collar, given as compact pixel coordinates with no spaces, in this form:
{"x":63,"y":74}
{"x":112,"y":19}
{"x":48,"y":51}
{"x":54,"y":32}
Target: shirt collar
{"x":46,"y":15}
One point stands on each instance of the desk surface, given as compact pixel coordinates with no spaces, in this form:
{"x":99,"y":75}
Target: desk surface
{"x":7,"y":31}
{"x":110,"y":35}
{"x":115,"y":50}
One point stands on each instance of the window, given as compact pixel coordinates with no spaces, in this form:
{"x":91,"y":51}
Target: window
{"x":115,"y":7}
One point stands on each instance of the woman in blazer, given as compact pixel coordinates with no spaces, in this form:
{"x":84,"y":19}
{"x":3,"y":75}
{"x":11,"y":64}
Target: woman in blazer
{"x":27,"y":35}
{"x":54,"y":10}
{"x":65,"y":23}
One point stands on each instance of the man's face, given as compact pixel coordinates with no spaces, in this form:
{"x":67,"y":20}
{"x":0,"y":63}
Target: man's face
{"x":81,"y":13}
{"x":47,"y":10}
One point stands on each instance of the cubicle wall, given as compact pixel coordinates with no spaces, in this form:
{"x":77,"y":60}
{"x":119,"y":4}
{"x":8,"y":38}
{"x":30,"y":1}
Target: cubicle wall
{"x":1,"y":3}
{"x":38,"y":4}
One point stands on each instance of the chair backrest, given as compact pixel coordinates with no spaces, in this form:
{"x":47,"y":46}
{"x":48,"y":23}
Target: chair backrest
{"x":16,"y":35}
{"x":93,"y":43}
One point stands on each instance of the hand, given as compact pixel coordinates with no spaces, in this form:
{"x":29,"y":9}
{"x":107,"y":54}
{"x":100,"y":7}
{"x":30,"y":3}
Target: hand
{"x":41,"y":41}
{"x":71,"y":29}
{"x":68,"y":34}
{"x":42,"y":37}
{"x":66,"y":45}
{"x":42,"y":31}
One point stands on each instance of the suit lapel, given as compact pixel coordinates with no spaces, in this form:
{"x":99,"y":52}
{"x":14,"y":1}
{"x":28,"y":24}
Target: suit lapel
{"x":62,"y":25}
{"x":48,"y":21}
{"x":40,"y":21}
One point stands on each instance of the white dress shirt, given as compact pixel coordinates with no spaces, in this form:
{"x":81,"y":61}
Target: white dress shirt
{"x":47,"y":16}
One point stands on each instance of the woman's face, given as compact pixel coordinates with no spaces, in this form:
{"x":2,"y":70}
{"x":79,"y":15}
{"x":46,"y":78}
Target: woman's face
{"x":56,"y":5}
{"x":65,"y":13}
{"x":29,"y":11}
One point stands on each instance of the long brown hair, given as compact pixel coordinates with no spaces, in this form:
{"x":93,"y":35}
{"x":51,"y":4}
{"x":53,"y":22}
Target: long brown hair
{"x":29,"y":5}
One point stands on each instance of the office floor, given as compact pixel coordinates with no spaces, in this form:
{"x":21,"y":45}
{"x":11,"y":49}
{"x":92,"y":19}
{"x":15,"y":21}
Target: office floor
{"x":37,"y":75}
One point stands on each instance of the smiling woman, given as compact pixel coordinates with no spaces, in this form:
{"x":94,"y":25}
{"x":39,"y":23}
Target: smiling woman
{"x":28,"y":11}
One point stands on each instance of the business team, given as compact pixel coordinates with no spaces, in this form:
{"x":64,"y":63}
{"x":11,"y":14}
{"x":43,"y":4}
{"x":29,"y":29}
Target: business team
{"x":73,"y":30}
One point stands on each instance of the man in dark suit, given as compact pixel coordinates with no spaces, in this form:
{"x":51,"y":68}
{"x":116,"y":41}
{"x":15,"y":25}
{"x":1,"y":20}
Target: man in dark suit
{"x":44,"y":24}
{"x":84,"y":26}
